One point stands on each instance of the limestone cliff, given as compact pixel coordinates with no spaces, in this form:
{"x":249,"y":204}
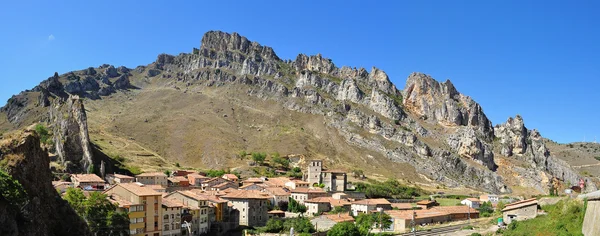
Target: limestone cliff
{"x":72,"y":143}
{"x":43,"y":212}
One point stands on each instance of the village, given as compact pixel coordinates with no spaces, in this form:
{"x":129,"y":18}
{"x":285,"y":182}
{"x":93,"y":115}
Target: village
{"x":185,"y":202}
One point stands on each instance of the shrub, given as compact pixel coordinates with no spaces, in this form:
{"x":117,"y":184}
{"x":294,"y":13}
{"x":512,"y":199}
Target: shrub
{"x":344,"y":229}
{"x":597,"y":158}
{"x":42,"y":131}
{"x":259,"y":157}
{"x":475,"y":234}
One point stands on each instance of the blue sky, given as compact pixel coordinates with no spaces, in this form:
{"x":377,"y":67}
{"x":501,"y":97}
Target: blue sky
{"x":539,"y":59}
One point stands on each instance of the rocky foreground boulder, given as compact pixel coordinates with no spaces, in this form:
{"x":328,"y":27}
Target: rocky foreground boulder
{"x":42,"y":211}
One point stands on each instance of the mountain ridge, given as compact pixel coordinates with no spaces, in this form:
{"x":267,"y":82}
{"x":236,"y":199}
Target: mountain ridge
{"x":442,"y":133}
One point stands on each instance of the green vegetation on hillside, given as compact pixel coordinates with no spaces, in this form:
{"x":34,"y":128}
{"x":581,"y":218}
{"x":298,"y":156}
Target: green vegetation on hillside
{"x":295,"y":207}
{"x":44,"y":134}
{"x":389,"y":188}
{"x":11,"y":190}
{"x":563,"y":218}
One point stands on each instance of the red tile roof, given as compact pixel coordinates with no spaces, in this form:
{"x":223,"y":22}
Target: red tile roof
{"x":230,"y":176}
{"x":246,"y":194}
{"x":87,"y":178}
{"x":319,"y":200}
{"x":338,"y":218}
{"x":374,"y":201}
{"x":308,"y":190}
{"x":170,"y":202}
{"x":137,"y":189}
{"x":151,"y":174}
{"x":520,"y":204}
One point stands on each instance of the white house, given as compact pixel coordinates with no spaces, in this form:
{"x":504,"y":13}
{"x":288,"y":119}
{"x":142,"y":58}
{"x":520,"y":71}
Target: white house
{"x":489,"y":198}
{"x":471,"y":202}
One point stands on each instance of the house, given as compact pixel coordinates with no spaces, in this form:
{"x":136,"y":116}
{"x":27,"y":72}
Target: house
{"x":178,"y":181}
{"x":404,"y":206}
{"x":253,"y":186}
{"x":220,"y":216}
{"x":426,"y":204}
{"x":277,"y":181}
{"x":302,"y":194}
{"x":458,"y":212}
{"x":194,"y":205}
{"x":276,"y":214}
{"x":143,"y":204}
{"x":326,"y":222}
{"x":402,"y":219}
{"x":196,"y":179}
{"x":223,"y":186}
{"x":489,"y":198}
{"x":88,"y":182}
{"x":318,"y":205}
{"x":231,"y":177}
{"x":158,"y":178}
{"x":296,"y":183}
{"x":157,"y":188}
{"x":368,"y":205}
{"x":278,"y":194}
{"x":521,"y":210}
{"x":62,"y":186}
{"x":334,"y":180}
{"x":252,"y":206}
{"x":208,"y":184}
{"x":342,"y":203}
{"x":471,"y":202}
{"x":254,"y":180}
{"x":171,"y":213}
{"x":119,"y":178}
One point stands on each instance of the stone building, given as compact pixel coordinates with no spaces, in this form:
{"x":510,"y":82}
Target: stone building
{"x":521,"y":210}
{"x":334,"y":180}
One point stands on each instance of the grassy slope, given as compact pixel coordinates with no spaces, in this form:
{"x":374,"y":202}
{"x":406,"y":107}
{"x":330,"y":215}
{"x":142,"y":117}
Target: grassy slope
{"x":563,"y":218}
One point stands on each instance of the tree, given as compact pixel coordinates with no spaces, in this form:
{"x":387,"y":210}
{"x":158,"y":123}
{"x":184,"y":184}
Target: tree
{"x":500,"y":206}
{"x":119,"y":223}
{"x":75,"y":197}
{"x":282,"y":205}
{"x":97,"y":210}
{"x":273,"y":226}
{"x":259,"y":157}
{"x":300,"y":224}
{"x":365,"y":222}
{"x":168,"y":172}
{"x":339,"y":209}
{"x":344,"y":229}
{"x":486,"y":209}
{"x":282,"y":162}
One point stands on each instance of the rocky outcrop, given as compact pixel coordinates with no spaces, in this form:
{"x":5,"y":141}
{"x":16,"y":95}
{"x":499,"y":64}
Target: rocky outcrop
{"x":516,"y":141}
{"x":315,"y":63}
{"x":467,"y":144}
{"x":442,"y":103}
{"x":71,"y":139}
{"x":42,"y":212}
{"x":111,"y":72}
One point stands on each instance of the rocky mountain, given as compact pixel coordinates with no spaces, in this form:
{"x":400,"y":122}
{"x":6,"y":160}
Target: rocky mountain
{"x":231,"y":94}
{"x":40,"y":211}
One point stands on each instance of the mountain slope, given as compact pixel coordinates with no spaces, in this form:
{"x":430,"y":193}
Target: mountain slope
{"x":233,"y":95}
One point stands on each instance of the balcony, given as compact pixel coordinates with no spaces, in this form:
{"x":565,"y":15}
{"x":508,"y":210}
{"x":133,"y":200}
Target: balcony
{"x":137,"y":214}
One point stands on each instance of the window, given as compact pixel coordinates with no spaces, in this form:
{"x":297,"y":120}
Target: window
{"x":172,"y":216}
{"x":155,"y":224}
{"x":166,"y":227}
{"x":155,"y":212}
{"x":166,"y":217}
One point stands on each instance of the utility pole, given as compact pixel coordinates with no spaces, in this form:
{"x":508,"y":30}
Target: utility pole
{"x":412,"y":223}
{"x":469,"y":213}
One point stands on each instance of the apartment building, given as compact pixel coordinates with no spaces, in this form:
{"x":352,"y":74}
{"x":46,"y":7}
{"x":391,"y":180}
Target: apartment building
{"x":302,"y":194}
{"x":252,"y":206}
{"x":197,"y":205}
{"x":171,"y":213}
{"x":155,"y":178}
{"x":143,"y":204}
